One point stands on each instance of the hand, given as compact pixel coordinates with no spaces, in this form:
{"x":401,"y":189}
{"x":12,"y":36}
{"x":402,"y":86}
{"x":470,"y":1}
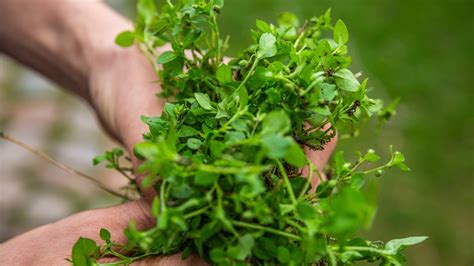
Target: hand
{"x":122,"y":89}
{"x":51,"y":244}
{"x":123,"y":86}
{"x":120,"y":84}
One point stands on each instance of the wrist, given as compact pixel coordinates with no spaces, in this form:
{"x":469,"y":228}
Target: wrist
{"x":61,"y":39}
{"x":94,"y":27}
{"x":108,"y":81}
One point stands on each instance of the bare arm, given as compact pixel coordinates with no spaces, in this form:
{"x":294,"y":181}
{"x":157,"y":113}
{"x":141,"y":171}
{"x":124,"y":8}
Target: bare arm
{"x":59,"y":38}
{"x":72,"y":43}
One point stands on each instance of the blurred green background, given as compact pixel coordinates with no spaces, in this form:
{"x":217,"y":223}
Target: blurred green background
{"x":421,"y":51}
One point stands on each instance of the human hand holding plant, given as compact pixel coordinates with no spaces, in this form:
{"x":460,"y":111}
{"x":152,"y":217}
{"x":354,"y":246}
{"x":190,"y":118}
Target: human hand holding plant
{"x":225,"y":157}
{"x":234,"y":129}
{"x":80,"y":54}
{"x":119,"y":84}
{"x":114,"y":86}
{"x":51,"y":244}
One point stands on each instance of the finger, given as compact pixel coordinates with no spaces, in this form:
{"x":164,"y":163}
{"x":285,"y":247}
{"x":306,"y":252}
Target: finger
{"x":172,"y":260}
{"x":319,"y":158}
{"x":51,"y":243}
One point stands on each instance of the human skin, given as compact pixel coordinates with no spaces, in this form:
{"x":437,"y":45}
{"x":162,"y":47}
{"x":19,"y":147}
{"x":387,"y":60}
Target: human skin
{"x":72,"y":43}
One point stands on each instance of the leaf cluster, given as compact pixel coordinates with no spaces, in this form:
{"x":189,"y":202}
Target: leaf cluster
{"x":226,"y":156}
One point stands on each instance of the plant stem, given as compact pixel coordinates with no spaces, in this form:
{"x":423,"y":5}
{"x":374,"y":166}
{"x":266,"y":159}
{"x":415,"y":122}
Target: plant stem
{"x":196,"y":212}
{"x":357,"y":164}
{"x":118,"y":255}
{"x":266,"y":229}
{"x":296,"y":225}
{"x":332,"y":257}
{"x":301,"y":35}
{"x":254,"y":65}
{"x":287,"y":182}
{"x":217,"y":45}
{"x":149,"y":57}
{"x":368,"y":249}
{"x":121,"y":171}
{"x":235,"y":116}
{"x":162,"y":195}
{"x":308,"y":179}
{"x":63,"y":167}
{"x":169,"y":3}
{"x":375,"y":169}
{"x":233,"y":170}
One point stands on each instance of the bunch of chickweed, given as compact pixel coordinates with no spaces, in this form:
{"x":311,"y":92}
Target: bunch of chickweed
{"x":226,"y":156}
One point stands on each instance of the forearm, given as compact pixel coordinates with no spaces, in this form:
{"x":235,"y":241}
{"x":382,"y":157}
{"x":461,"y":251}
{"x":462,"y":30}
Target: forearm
{"x":61,"y":39}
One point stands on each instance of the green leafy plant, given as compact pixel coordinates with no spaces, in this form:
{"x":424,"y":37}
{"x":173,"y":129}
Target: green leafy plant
{"x":226,"y":156}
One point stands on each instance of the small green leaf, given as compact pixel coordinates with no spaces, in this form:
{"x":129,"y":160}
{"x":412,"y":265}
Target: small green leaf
{"x":371,"y":156}
{"x":328,"y":91}
{"x":145,"y":150}
{"x":217,"y":255}
{"x":398,"y":160}
{"x":246,"y":243}
{"x":203,"y":100}
{"x":234,"y":136}
{"x":398,"y":157}
{"x":117,"y":151}
{"x":276,"y":122}
{"x":323,"y":48}
{"x":243,"y":97}
{"x":166,"y":57}
{"x":288,"y":19}
{"x":305,"y":210}
{"x":323,"y":111}
{"x":283,"y":254}
{"x":217,"y":147}
{"x":104,"y":234}
{"x":276,"y":145}
{"x":341,"y":35}
{"x":396,"y":245}
{"x":346,"y":81}
{"x":295,"y":155}
{"x":325,"y":188}
{"x":125,"y":39}
{"x":379,"y":172}
{"x":187,"y":131}
{"x":263,"y":26}
{"x":347,"y":211}
{"x":224,"y":74}
{"x":186,"y":253}
{"x":181,"y":190}
{"x":402,"y":167}
{"x":357,"y":180}
{"x":194,"y":144}
{"x":267,"y":46}
{"x":84,"y":252}
{"x":285,"y":208}
{"x":205,"y":179}
{"x":98,"y":159}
